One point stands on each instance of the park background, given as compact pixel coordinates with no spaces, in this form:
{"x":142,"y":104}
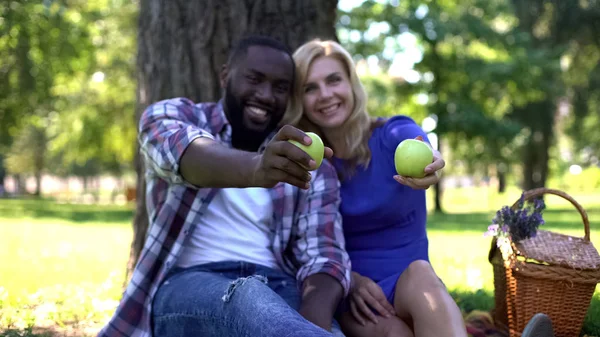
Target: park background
{"x":509,"y":92}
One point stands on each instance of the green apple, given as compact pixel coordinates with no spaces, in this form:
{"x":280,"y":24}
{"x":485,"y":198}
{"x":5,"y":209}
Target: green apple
{"x":316,"y":150}
{"x":411,"y":158}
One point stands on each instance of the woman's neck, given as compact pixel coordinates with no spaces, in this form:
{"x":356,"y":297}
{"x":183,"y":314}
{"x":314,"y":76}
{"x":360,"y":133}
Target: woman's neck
{"x":335,"y":138}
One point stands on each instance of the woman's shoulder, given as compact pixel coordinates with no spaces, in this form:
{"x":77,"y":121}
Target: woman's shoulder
{"x":395,"y":129}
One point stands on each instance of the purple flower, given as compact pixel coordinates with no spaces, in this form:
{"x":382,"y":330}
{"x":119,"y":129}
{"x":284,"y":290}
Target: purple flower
{"x":519,"y":223}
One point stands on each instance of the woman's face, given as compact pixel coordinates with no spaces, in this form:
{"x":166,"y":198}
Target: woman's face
{"x":327,"y":99}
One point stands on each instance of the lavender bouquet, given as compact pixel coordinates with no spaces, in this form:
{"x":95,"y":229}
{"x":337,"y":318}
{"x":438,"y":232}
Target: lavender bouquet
{"x":516,"y":224}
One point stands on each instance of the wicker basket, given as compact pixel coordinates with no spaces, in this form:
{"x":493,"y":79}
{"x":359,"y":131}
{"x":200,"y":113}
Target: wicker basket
{"x":551,"y":273}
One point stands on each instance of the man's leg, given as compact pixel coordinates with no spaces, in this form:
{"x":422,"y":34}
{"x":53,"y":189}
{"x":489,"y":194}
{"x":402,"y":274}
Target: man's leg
{"x":201,"y":303}
{"x":287,"y":287}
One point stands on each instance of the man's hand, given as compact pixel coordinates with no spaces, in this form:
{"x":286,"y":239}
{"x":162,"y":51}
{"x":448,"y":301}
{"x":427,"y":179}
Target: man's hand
{"x":282,"y":161}
{"x":432,"y":172}
{"x":366,"y":294}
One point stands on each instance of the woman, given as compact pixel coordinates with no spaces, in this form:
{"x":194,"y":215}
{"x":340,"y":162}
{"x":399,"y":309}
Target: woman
{"x":384,"y":220}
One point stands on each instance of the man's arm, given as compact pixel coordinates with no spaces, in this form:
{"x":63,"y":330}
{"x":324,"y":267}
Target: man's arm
{"x":205,"y":162}
{"x":320,"y":247}
{"x":321,"y":294}
{"x":176,"y":141}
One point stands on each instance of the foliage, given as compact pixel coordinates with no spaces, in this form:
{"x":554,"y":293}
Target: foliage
{"x":37,"y":43}
{"x":385,"y":100}
{"x":583,"y":78}
{"x":67,"y":79}
{"x":486,"y":68}
{"x":98,"y":124}
{"x":27,"y":152}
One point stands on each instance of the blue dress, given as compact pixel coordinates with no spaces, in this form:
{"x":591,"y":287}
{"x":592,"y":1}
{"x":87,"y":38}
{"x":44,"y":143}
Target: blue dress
{"x":384,"y":221}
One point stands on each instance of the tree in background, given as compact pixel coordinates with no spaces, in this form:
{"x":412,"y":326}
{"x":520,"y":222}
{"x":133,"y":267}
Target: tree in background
{"x":489,"y":72}
{"x":38,"y":45}
{"x":458,"y":72}
{"x":67,"y":93}
{"x":183,"y":44}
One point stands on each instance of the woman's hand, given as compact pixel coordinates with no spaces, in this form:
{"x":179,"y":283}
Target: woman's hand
{"x":432,"y":173}
{"x":365,"y":293}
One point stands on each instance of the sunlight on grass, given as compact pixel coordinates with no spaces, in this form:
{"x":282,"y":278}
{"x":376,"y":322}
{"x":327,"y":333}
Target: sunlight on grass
{"x":36,"y":252}
{"x":61,"y":274}
{"x":63,"y":265}
{"x":483,"y":199}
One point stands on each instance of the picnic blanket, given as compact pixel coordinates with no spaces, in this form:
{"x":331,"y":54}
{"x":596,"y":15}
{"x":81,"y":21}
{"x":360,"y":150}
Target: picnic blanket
{"x":481,"y":324}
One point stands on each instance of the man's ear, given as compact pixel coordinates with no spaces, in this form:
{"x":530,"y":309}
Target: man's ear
{"x":223,"y":76}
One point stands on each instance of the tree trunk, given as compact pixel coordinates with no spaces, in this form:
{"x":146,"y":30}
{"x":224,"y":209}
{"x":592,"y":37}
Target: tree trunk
{"x":85,"y":180}
{"x":438,"y":187}
{"x":38,"y":184}
{"x":2,"y":173}
{"x":440,"y":110}
{"x":501,"y":182}
{"x":438,"y":197}
{"x":19,"y":184}
{"x":183,"y":44}
{"x":540,"y":118}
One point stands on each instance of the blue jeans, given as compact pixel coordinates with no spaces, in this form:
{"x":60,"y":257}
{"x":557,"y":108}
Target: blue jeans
{"x":231,"y":299}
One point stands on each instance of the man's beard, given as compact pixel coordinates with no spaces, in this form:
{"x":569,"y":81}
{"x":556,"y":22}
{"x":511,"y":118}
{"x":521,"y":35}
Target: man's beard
{"x":243,"y":138}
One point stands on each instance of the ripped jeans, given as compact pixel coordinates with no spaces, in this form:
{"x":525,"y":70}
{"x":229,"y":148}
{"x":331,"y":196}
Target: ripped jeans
{"x":231,"y":299}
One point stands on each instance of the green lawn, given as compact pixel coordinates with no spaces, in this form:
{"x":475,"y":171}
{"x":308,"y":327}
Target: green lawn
{"x":62,"y":266}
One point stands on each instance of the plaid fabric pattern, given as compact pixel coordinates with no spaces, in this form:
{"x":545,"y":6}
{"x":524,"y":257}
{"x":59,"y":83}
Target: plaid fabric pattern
{"x":307,"y":239}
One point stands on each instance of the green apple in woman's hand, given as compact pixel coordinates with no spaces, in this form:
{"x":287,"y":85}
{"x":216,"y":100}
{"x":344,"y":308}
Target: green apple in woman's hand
{"x":411,"y":158}
{"x":316,"y":150}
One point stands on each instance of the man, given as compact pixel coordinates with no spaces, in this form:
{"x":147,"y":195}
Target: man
{"x":235,"y":218}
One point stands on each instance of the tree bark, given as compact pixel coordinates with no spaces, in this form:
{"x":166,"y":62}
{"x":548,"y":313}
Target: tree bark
{"x":438,"y":188}
{"x":2,"y":173}
{"x":501,"y":182}
{"x":183,"y":44}
{"x":540,"y":119}
{"x":20,"y":188}
{"x":38,"y":184}
{"x":440,"y":110}
{"x":539,"y":116}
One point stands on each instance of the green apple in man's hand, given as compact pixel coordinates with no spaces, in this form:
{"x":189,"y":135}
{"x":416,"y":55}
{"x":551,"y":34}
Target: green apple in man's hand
{"x":316,"y":150}
{"x":412,"y":157}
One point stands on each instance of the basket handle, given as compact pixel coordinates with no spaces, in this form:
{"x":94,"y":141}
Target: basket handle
{"x":531,"y":194}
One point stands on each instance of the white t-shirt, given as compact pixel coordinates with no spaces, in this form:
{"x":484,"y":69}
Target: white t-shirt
{"x":235,"y":227}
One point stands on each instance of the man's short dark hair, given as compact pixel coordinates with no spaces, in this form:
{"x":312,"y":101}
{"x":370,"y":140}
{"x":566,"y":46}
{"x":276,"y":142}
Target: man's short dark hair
{"x":241,"y":48}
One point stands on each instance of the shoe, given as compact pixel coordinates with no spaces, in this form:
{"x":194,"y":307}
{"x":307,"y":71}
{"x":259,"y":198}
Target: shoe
{"x":540,"y":325}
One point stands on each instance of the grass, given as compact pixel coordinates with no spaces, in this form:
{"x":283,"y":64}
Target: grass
{"x":63,"y":265}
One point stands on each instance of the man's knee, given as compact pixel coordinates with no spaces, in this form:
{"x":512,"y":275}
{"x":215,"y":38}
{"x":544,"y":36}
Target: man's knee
{"x":253,"y":295}
{"x":252,"y":285}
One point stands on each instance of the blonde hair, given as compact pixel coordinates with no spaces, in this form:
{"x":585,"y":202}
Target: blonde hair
{"x":357,"y":128}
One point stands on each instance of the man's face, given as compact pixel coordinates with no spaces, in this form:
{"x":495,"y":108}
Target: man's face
{"x":257,"y":89}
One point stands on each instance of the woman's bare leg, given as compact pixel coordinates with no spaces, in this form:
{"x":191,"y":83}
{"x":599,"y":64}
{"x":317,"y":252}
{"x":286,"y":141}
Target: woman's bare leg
{"x":385,"y":327}
{"x":422,"y":298}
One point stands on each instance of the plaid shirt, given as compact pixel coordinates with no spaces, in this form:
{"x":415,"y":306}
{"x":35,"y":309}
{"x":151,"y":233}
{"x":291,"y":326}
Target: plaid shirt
{"x":307,"y":226}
